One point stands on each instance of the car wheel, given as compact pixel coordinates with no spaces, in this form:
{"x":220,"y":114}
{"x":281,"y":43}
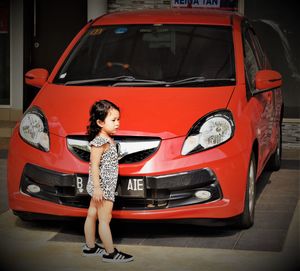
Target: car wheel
{"x":246,"y":219}
{"x":274,"y":162}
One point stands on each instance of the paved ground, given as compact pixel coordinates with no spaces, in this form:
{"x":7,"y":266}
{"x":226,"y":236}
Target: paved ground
{"x":271,"y":244}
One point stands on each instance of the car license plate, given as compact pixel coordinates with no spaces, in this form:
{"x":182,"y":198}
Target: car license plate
{"x":131,"y":188}
{"x":127,"y":187}
{"x":80,"y":185}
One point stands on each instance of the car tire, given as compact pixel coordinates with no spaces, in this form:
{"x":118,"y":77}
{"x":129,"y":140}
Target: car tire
{"x":246,"y":219}
{"x":274,"y":162}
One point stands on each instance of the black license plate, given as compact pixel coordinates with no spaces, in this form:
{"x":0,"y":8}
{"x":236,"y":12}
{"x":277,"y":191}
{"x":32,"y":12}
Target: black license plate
{"x":80,"y":185}
{"x":127,"y":187}
{"x":131,"y":188}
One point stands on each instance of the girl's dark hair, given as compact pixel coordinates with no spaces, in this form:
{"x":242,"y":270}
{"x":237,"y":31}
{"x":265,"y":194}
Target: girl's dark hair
{"x":98,"y":111}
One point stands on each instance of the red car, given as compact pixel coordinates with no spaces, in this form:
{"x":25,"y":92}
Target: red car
{"x":201,"y":115}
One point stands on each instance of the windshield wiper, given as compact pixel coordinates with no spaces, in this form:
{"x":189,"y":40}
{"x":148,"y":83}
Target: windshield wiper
{"x":199,"y":79}
{"x":97,"y":80}
{"x":140,"y":82}
{"x":125,"y":80}
{"x":183,"y":82}
{"x":115,"y":81}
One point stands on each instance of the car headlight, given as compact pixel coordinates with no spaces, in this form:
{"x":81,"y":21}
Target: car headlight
{"x":210,"y":131}
{"x":34,"y":129}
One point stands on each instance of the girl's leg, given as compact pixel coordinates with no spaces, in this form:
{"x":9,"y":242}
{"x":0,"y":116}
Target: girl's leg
{"x":90,"y":225}
{"x":104,"y":217}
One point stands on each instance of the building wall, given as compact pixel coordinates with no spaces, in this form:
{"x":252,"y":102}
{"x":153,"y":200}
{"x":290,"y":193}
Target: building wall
{"x":4,"y":53}
{"x":116,"y":5}
{"x":16,"y":55}
{"x":96,"y":8}
{"x":13,"y":111}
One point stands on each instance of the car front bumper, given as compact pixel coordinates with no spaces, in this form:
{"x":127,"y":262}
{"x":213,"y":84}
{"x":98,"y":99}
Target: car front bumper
{"x":171,"y":182}
{"x":165,"y":191}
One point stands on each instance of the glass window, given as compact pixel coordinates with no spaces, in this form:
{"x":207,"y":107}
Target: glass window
{"x":260,"y":56}
{"x":152,"y":52}
{"x":250,"y":60}
{"x":4,"y":54}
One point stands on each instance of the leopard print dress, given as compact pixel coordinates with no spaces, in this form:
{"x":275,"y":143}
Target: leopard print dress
{"x":108,"y":169}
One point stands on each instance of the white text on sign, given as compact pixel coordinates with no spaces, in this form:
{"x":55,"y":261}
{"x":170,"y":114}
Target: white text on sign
{"x":196,"y":3}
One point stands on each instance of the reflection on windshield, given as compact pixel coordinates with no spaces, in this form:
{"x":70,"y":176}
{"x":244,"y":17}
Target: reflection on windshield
{"x":166,"y":55}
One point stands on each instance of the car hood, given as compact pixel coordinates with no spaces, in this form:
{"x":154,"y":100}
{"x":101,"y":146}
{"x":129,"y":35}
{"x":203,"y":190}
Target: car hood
{"x":145,"y":111}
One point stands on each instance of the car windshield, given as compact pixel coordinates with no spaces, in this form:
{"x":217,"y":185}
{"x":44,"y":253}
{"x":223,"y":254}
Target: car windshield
{"x":151,"y":55}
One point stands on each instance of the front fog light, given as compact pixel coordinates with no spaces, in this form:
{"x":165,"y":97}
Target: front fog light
{"x":32,"y":188}
{"x":203,"y":195}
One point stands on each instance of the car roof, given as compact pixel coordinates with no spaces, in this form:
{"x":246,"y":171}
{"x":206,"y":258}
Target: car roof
{"x":169,"y":16}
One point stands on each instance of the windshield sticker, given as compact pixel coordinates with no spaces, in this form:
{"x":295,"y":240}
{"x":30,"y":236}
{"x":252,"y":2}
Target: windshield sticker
{"x":63,"y":75}
{"x":96,"y":31}
{"x":121,"y":30}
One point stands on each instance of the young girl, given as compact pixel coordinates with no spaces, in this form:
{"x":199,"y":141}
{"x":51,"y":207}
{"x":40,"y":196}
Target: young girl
{"x":103,"y":175}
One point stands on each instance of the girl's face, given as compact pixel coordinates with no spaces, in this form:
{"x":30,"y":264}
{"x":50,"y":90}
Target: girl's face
{"x":111,"y":123}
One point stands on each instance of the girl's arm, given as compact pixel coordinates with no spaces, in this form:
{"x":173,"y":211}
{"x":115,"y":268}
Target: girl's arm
{"x":95,"y":158}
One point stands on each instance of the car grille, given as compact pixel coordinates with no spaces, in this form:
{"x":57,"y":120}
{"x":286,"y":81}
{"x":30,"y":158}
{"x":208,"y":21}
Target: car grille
{"x":136,"y":157}
{"x":130,"y":149}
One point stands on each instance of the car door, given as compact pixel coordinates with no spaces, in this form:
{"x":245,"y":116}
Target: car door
{"x":263,"y":104}
{"x":274,"y":95}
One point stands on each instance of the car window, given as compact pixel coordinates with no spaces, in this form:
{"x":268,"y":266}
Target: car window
{"x":250,"y":60}
{"x":260,"y":56}
{"x":153,"y":52}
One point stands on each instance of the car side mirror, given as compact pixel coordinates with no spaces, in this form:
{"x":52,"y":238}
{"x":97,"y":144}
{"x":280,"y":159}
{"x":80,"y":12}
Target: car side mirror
{"x":36,"y":77}
{"x":266,"y":80}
